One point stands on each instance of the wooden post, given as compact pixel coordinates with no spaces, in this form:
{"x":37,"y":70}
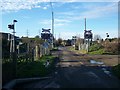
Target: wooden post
{"x":28,"y":51}
{"x":32,"y":54}
{"x":40,"y":50}
{"x":37,"y":52}
{"x":88,"y":44}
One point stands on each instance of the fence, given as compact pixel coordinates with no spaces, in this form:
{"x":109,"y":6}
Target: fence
{"x":12,"y":65}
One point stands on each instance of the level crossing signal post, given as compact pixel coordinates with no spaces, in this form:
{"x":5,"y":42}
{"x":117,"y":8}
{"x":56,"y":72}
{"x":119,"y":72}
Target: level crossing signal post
{"x":46,"y":35}
{"x":13,"y":54}
{"x":88,"y":38}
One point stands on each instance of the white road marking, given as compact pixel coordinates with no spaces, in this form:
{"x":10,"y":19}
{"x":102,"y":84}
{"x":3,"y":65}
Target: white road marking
{"x":93,"y":74}
{"x":106,"y":71}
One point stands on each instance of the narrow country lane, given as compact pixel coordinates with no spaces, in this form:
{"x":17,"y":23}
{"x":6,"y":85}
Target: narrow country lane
{"x":72,"y":72}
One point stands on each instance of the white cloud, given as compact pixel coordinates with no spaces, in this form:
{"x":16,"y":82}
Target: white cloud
{"x":85,"y":0}
{"x":44,"y":8}
{"x":91,"y":11}
{"x":67,"y":35}
{"x":69,"y":13}
{"x":62,"y":20}
{"x":57,"y":22}
{"x":112,"y":33}
{"x":100,"y":11}
{"x":45,"y":23}
{"x":15,"y":5}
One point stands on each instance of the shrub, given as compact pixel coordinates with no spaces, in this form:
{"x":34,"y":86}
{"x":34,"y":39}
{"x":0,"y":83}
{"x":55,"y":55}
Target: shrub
{"x":95,"y":47}
{"x":112,"y":47}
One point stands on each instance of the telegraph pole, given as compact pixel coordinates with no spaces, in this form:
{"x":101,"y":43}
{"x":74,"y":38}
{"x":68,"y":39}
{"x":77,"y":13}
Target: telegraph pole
{"x":14,"y":35}
{"x":85,"y":23}
{"x":85,"y":28}
{"x":27,"y":32}
{"x":88,"y":38}
{"x":52,"y":24}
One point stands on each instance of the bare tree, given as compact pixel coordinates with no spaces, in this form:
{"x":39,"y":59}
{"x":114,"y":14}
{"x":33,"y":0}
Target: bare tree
{"x":97,"y":37}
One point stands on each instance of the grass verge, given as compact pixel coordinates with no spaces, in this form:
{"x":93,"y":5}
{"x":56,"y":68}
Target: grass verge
{"x":77,"y":51}
{"x":100,"y":51}
{"x":37,"y":68}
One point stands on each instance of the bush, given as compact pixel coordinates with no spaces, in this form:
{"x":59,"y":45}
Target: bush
{"x":112,"y":47}
{"x":116,"y":70}
{"x":95,"y":47}
{"x":36,"y":68}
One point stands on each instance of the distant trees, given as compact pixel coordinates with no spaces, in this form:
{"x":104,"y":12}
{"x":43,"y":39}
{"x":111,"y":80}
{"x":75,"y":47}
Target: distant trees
{"x":59,"y":42}
{"x":37,"y":36}
{"x":68,"y":42}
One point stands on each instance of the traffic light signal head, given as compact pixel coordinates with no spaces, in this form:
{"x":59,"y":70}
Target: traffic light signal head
{"x":11,"y":26}
{"x":15,"y":21}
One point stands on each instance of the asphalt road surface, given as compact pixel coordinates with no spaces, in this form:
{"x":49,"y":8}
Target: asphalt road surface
{"x":71,"y":72}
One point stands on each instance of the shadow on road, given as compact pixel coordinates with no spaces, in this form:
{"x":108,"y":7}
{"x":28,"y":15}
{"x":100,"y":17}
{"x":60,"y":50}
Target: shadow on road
{"x":77,"y":76}
{"x":86,"y":77}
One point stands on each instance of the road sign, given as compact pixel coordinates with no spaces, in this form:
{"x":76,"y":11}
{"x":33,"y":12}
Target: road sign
{"x":45,"y":35}
{"x":45,"y":30}
{"x":88,"y":34}
{"x":74,"y":37}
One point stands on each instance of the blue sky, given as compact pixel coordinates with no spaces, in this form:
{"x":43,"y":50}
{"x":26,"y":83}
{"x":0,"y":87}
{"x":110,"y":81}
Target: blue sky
{"x":33,"y":15}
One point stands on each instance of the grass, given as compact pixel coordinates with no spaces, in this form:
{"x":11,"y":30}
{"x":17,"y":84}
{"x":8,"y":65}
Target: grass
{"x":100,"y":51}
{"x":31,"y":69}
{"x":36,"y":68}
{"x":116,"y":70}
{"x":96,"y":52}
{"x":78,"y":51}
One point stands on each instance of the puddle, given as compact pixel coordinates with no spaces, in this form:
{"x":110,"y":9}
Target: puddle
{"x":95,"y":62}
{"x":70,"y":61}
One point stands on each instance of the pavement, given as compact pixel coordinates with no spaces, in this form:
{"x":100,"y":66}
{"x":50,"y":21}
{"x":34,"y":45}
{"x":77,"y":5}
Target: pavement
{"x":72,"y":72}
